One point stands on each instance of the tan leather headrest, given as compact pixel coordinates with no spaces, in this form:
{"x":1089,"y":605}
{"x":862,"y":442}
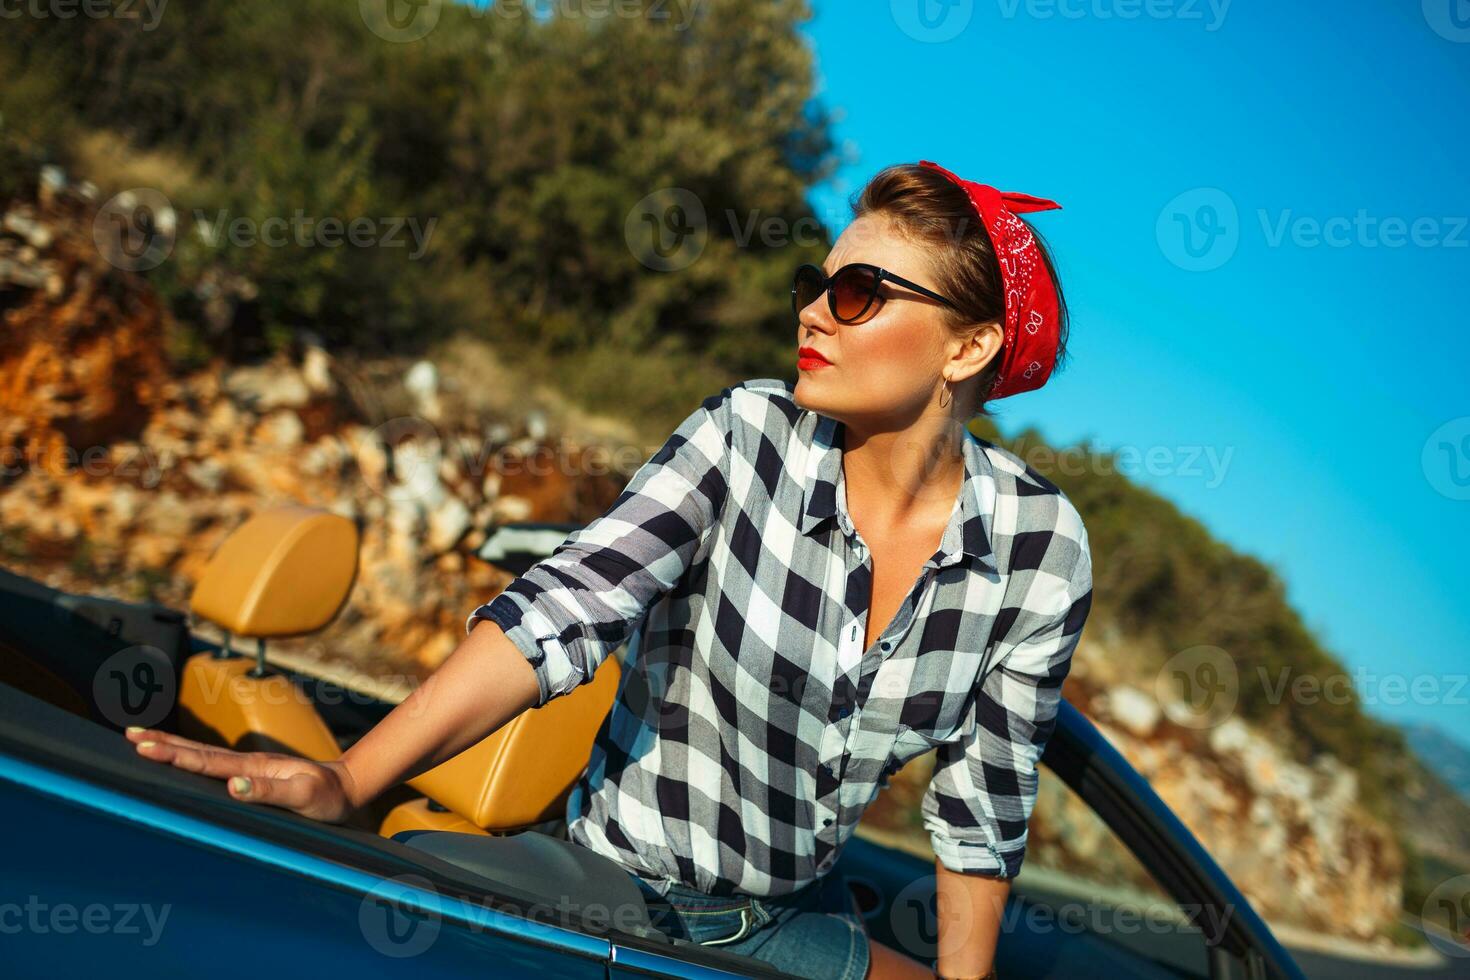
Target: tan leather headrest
{"x":521,"y":774}
{"x":284,"y":572}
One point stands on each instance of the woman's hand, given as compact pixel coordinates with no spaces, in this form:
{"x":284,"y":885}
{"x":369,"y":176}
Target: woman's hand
{"x":319,"y":790}
{"x":483,"y":684}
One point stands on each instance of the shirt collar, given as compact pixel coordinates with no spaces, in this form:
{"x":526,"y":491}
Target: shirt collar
{"x":824,"y":495}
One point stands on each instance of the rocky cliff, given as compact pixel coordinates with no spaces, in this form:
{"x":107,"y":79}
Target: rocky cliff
{"x":122,"y":475}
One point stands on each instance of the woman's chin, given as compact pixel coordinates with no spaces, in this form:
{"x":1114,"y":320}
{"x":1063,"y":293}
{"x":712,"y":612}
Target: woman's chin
{"x":808,"y":392}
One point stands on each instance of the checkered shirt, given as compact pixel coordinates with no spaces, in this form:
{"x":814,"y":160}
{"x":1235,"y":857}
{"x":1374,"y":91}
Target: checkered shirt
{"x":751,"y":729}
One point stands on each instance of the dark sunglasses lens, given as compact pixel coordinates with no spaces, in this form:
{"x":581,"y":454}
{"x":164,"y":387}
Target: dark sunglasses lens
{"x":853,"y":292}
{"x":805,"y":288}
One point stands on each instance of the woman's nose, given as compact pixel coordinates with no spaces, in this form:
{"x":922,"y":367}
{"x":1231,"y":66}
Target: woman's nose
{"x":816,"y":316}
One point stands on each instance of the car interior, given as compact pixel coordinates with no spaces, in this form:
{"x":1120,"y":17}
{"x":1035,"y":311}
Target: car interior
{"x":485,"y":825}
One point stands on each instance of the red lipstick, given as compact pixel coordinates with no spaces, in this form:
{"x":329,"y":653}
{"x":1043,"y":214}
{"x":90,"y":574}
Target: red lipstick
{"x":809,"y":358}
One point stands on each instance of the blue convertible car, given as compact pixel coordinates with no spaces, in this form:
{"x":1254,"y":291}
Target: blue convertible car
{"x":113,"y":863}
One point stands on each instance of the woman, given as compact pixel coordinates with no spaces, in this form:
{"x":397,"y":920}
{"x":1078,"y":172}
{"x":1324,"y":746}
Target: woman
{"x":817,"y":583}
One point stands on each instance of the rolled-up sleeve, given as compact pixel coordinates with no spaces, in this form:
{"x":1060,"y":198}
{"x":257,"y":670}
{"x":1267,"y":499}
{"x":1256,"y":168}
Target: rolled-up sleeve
{"x":980,"y":798}
{"x":571,"y":609}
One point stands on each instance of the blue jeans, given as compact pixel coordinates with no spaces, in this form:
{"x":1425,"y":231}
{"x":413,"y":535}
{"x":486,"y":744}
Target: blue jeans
{"x":814,"y":932}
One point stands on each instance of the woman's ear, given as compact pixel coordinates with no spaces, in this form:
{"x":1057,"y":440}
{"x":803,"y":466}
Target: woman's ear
{"x":978,"y":349}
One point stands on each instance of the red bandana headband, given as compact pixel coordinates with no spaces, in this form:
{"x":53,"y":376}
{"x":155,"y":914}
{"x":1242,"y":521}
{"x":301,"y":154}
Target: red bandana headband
{"x":1033,"y":323}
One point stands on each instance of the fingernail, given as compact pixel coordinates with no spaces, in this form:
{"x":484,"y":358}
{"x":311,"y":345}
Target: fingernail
{"x":240,"y":784}
{"x":146,"y":745}
{"x":134,"y":728}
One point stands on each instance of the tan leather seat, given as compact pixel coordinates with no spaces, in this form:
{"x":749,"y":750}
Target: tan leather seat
{"x":284,"y":572}
{"x":521,"y":774}
{"x":287,"y":571}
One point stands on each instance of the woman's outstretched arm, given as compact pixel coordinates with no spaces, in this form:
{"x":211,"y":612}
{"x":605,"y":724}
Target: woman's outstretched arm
{"x":541,"y":638}
{"x":483,"y":684}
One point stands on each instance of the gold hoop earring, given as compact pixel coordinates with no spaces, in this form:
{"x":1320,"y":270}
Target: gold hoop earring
{"x":942,"y":390}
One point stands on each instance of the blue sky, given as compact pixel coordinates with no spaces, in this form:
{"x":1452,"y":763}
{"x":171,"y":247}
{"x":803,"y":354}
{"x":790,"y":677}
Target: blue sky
{"x":1313,"y":340}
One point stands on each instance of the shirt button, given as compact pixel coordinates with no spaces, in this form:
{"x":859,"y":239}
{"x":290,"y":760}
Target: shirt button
{"x":845,"y":711}
{"x":886,"y":644}
{"x":826,"y":821}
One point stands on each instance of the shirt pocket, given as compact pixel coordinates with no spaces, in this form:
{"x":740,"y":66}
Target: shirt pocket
{"x":869,"y":756}
{"x":910,"y":743}
{"x":933,"y":722}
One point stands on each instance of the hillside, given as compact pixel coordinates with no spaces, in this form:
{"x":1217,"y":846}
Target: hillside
{"x":1442,"y":755}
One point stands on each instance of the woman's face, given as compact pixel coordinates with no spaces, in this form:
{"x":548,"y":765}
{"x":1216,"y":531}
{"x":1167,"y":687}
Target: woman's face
{"x":886,"y":368}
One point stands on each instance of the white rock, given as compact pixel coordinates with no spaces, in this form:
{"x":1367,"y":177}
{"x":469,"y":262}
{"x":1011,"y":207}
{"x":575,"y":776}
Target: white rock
{"x":1134,"y":710}
{"x":125,"y":503}
{"x":447,"y":524}
{"x":283,"y":430}
{"x":422,"y":382}
{"x":1295,"y":781}
{"x":345,"y":506}
{"x":266,"y":387}
{"x":316,"y":371}
{"x":536,"y":425}
{"x":222,"y":421}
{"x":368,"y":452}
{"x":416,"y":474}
{"x":52,"y":178}
{"x":1230,"y":737}
{"x":207,"y":474}
{"x":35,"y":233}
{"x":510,"y":508}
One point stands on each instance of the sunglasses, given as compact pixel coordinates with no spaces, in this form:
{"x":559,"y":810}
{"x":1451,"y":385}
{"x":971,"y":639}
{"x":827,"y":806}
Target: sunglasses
{"x":851,"y":291}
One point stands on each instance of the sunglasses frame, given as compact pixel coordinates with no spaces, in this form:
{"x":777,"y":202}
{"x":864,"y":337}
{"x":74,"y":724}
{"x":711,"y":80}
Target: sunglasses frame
{"x":880,"y":276}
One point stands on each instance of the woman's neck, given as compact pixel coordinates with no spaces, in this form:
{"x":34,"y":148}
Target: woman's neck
{"x":906,"y":475}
